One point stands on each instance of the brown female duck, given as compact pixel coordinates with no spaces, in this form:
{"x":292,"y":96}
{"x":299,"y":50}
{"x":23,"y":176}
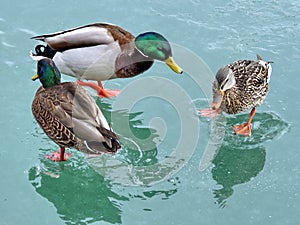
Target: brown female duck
{"x":240,"y":86}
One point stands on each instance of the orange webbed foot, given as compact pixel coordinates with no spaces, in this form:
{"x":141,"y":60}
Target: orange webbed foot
{"x":105,"y":93}
{"x":102,"y":92}
{"x":58,"y":157}
{"x":243,"y":129}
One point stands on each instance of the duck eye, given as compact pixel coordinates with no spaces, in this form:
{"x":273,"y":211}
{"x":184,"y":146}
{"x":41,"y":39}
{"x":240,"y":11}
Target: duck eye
{"x":223,"y":84}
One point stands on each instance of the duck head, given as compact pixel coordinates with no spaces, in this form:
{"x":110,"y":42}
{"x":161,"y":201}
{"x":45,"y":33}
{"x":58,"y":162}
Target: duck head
{"x":47,"y":73}
{"x":225,"y":80}
{"x":155,"y":46}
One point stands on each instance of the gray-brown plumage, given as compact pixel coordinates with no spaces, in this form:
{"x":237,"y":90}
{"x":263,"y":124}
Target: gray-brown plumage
{"x":251,"y":85}
{"x":69,"y":115}
{"x":240,"y":86}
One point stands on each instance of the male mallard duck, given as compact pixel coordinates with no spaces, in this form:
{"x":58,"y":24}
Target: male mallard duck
{"x":238,"y":87}
{"x":69,"y":116}
{"x":103,"y":51}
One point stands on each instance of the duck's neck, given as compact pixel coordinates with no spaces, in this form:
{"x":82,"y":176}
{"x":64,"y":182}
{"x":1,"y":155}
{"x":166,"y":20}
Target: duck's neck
{"x":130,"y":65}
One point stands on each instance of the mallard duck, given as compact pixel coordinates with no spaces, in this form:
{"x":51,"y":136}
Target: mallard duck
{"x":102,"y":51}
{"x":69,"y":116}
{"x":240,"y":86}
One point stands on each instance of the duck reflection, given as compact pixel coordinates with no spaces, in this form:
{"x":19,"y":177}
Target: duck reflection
{"x":240,"y":159}
{"x":81,"y":189}
{"x":80,"y":195}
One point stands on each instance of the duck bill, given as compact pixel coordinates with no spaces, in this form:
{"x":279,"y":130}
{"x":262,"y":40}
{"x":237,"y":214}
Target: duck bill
{"x":217,"y":99}
{"x":36,"y":76}
{"x":172,"y":64}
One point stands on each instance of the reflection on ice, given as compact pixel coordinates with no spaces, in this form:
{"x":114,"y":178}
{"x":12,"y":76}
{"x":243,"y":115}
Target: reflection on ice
{"x":240,"y":158}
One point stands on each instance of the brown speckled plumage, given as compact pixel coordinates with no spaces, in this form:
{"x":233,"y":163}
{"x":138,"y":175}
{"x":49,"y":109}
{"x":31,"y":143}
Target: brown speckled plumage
{"x":66,"y":112}
{"x":250,"y":89}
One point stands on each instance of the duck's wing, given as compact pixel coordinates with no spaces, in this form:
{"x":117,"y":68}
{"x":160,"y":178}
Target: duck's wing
{"x":250,"y":71}
{"x":86,"y":36}
{"x":73,"y":107}
{"x":43,"y":106}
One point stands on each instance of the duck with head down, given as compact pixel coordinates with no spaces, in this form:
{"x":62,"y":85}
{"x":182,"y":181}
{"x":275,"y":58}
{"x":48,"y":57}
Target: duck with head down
{"x":69,"y":115}
{"x":240,"y":86}
{"x":102,"y":51}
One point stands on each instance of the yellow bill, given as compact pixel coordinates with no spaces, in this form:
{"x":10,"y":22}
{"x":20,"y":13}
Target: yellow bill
{"x":172,"y":64}
{"x":36,"y":76}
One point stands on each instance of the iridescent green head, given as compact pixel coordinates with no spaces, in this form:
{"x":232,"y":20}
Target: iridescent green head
{"x":47,"y":72}
{"x":157,"y":47}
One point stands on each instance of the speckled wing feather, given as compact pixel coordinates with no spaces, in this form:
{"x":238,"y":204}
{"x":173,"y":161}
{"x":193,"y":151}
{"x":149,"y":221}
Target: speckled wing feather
{"x":71,"y":118}
{"x":42,"y":109}
{"x":251,"y":86}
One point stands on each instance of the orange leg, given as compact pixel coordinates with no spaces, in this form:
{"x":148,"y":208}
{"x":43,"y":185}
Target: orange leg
{"x":59,"y":156}
{"x":102,"y":93}
{"x":245,"y":129}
